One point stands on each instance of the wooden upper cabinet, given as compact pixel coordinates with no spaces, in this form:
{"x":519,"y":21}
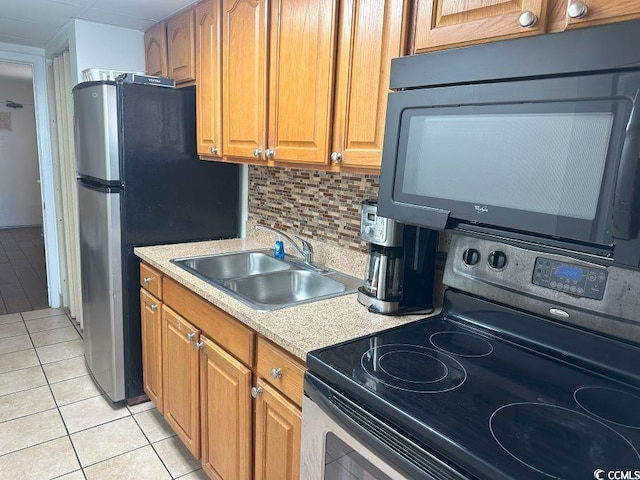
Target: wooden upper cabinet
{"x":372,"y":32}
{"x":244,"y":81}
{"x":180,"y":47}
{"x":208,"y":75}
{"x":301,"y":70}
{"x":155,"y":50}
{"x":180,"y":378}
{"x":583,"y":13}
{"x":448,"y":23}
{"x":226,"y":414}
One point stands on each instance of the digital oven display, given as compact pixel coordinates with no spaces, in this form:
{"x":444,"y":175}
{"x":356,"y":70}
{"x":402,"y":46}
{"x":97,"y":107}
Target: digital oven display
{"x":569,"y":272}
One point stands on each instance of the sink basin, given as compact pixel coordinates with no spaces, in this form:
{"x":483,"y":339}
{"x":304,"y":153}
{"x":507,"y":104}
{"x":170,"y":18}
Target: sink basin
{"x":263,"y":282}
{"x":232,"y":265}
{"x":285,"y":288}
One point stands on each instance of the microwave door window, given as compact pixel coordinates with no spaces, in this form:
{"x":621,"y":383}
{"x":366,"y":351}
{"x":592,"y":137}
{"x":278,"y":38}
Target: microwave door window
{"x":549,"y":163}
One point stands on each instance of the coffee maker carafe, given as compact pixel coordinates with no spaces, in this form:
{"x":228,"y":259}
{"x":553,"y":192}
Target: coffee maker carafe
{"x":399,"y":275}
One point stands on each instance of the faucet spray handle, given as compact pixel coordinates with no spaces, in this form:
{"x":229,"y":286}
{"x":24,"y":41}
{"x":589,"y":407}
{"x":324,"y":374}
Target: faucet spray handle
{"x":307,"y":249}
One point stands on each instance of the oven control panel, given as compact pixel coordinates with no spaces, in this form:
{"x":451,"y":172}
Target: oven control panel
{"x":570,"y":278}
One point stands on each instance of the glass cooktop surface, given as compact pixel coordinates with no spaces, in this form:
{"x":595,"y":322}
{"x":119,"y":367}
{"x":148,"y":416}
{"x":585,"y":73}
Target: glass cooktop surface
{"x":490,"y":405}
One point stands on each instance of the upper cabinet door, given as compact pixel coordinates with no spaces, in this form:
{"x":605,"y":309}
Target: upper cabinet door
{"x":372,"y":32}
{"x":244,"y":82}
{"x":448,"y":23}
{"x":180,"y":42}
{"x":582,"y":13}
{"x":301,"y":71}
{"x":208,"y":76}
{"x":155,"y":50}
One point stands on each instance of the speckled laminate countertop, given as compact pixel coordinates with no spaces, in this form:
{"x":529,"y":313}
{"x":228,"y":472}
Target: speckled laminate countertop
{"x":298,"y":329}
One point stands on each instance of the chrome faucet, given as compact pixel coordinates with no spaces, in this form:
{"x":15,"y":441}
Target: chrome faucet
{"x":306,"y":252}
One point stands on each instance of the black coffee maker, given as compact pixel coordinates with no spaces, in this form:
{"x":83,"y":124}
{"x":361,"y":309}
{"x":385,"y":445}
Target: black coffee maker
{"x":399,"y":277}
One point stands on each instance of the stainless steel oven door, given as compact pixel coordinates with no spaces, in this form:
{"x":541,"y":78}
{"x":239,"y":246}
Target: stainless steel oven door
{"x":329,"y":452}
{"x":342,"y":440}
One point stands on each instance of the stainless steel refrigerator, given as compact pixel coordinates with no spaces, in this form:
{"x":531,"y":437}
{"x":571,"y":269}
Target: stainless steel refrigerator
{"x":140,"y":183}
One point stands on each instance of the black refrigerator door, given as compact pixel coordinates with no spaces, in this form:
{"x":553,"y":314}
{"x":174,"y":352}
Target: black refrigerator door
{"x":171,"y":195}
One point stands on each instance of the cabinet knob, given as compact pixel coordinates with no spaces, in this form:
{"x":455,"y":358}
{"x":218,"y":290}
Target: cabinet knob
{"x":336,"y":157}
{"x":213,"y":150}
{"x":191,"y":336}
{"x":153,"y":307}
{"x":275,"y":373}
{"x":270,"y":153}
{"x":257,"y":152}
{"x":528,"y":19}
{"x":577,"y":10}
{"x":256,"y":392}
{"x":147,"y":280}
{"x":199,"y":345}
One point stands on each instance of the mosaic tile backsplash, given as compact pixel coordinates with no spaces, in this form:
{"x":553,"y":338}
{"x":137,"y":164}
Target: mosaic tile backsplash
{"x":317,"y":204}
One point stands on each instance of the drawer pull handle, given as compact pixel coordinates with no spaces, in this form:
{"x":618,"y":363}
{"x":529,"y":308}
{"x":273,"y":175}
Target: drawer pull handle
{"x":153,"y":307}
{"x":147,"y":280}
{"x":275,"y":373}
{"x":256,"y":392}
{"x":199,"y":345}
{"x":191,"y":336}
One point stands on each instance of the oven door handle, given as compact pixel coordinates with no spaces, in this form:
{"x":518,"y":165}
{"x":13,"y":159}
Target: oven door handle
{"x":387,"y":443}
{"x":626,"y":206}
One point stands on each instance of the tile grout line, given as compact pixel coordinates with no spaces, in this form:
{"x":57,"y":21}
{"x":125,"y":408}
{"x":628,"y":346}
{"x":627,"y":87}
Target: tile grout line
{"x":150,"y":442}
{"x":64,"y":424}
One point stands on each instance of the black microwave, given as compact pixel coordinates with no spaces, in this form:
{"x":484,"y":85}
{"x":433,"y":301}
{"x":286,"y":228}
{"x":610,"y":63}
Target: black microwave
{"x":533,"y":140}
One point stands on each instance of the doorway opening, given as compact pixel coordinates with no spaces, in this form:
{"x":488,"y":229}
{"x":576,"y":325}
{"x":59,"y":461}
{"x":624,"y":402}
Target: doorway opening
{"x":23,"y":275}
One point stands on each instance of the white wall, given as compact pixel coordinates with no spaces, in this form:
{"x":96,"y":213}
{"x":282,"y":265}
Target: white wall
{"x":20,"y":202}
{"x":96,"y":45}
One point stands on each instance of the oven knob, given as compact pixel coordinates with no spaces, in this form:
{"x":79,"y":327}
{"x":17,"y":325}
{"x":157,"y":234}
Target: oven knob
{"x":471,"y":256}
{"x":497,"y":259}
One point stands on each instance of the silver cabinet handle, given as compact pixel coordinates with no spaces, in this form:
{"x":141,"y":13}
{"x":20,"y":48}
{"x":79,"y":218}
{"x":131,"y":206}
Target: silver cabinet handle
{"x":336,"y":157}
{"x":199,"y":345}
{"x":191,"y":336}
{"x":528,"y":19}
{"x":270,"y":153}
{"x":256,"y":392}
{"x":577,"y":10}
{"x":275,"y":372}
{"x":153,"y":307}
{"x":257,"y":152}
{"x":147,"y":280}
{"x":213,"y":150}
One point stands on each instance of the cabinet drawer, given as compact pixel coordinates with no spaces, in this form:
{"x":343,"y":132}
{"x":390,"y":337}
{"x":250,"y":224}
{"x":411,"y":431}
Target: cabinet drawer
{"x":280,"y":369}
{"x":216,"y":324}
{"x":151,"y":280}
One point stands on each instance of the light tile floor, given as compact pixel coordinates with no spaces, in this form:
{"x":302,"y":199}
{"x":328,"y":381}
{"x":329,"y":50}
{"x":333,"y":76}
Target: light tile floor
{"x":54,"y":423}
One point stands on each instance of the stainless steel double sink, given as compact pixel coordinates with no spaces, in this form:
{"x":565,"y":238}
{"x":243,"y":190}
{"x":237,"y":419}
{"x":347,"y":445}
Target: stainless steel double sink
{"x":266,"y":283}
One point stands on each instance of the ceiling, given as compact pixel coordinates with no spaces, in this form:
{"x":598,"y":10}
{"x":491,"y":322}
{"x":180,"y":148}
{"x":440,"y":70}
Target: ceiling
{"x":35,"y":22}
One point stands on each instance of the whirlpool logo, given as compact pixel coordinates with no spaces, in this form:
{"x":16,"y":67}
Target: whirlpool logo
{"x":600,"y":474}
{"x":481,"y":208}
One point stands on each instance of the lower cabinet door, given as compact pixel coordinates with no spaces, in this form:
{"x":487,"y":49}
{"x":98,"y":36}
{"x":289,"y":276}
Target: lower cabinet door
{"x":226,"y":414}
{"x":151,"y":320}
{"x":277,"y":440}
{"x":180,"y":375}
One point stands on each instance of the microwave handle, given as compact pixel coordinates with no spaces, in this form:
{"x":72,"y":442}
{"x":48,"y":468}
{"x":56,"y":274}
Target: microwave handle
{"x":626,"y":206}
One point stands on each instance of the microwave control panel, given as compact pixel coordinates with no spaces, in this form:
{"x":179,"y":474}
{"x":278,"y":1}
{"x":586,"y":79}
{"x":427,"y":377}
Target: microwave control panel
{"x":569,"y":278}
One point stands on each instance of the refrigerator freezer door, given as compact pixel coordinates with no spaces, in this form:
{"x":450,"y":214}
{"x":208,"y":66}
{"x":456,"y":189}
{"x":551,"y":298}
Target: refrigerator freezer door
{"x":96,"y":132}
{"x":101,"y":265}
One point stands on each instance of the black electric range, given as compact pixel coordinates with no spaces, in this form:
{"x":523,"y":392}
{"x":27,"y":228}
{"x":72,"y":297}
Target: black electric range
{"x":498,"y":393}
